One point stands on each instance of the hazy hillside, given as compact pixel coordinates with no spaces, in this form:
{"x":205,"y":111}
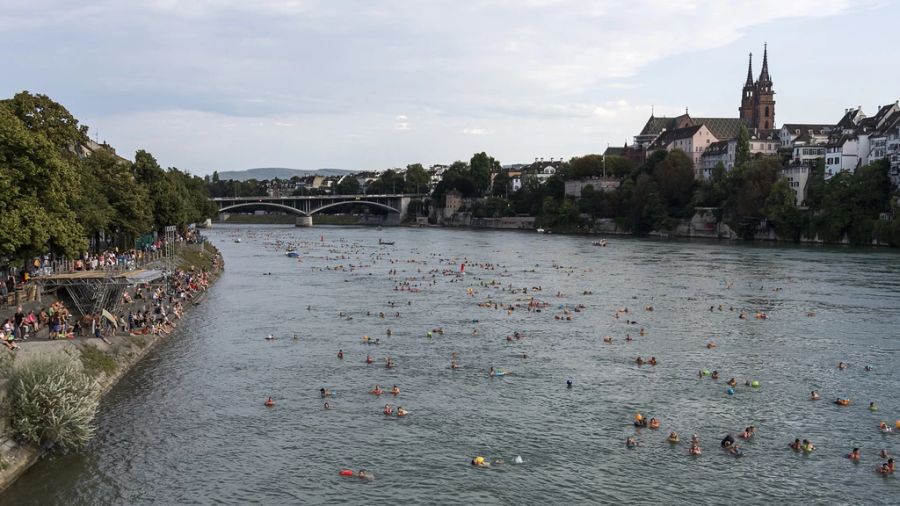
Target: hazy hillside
{"x":277,"y":172}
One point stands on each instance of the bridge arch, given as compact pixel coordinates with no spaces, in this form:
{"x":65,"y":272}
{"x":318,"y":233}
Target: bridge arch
{"x":267,"y":204}
{"x":364,"y":202}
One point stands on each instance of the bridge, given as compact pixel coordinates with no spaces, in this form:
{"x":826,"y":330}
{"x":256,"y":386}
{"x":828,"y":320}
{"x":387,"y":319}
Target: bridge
{"x":306,"y":206}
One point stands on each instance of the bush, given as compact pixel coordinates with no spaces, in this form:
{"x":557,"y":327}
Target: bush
{"x":52,"y":403}
{"x":96,"y":362}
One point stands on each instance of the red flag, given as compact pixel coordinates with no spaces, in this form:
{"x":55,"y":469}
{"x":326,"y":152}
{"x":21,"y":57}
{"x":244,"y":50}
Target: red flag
{"x":462,"y":267}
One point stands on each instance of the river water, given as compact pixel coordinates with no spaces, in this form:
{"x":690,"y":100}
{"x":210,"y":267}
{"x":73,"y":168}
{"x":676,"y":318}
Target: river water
{"x":188,"y":425}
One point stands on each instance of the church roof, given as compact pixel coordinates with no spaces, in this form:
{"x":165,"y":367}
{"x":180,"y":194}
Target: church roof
{"x":721,"y":128}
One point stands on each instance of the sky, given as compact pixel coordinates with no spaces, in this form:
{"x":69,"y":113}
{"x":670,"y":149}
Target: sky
{"x":210,"y":85}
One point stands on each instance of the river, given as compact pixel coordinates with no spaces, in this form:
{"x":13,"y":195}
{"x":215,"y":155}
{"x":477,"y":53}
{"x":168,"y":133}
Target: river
{"x":188,"y":425}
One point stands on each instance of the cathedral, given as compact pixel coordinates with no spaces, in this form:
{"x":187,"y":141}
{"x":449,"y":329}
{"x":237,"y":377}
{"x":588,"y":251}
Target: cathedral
{"x":758,"y":100}
{"x":695,"y":135}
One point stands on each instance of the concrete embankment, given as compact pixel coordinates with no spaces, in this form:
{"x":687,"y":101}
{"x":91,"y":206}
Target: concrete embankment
{"x":107,"y":360}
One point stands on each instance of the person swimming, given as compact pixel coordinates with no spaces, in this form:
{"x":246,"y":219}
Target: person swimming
{"x":673,"y":437}
{"x":401,"y":411}
{"x":842,"y":366}
{"x":872,"y":406}
{"x":631,"y":442}
{"x":388,"y":410}
{"x":327,"y":406}
{"x":639,"y":361}
{"x":715,"y":375}
{"x":748,"y":432}
{"x":376,"y":391}
{"x":639,"y":420}
{"x":732,"y":383}
{"x":807,"y":446}
{"x":652,"y":361}
{"x":369,"y":359}
{"x":695,"y":449}
{"x":340,"y":354}
{"x":395,"y":390}
{"x":727,"y":441}
{"x":480,"y":462}
{"x":854,"y":455}
{"x":796,"y":445}
{"x":654,"y":423}
{"x":324,"y":392}
{"x":568,"y":383}
{"x":269,"y":402}
{"x":814,"y":396}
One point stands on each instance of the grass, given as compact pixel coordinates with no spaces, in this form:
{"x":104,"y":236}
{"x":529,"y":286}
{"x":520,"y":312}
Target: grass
{"x":139,"y":341}
{"x":192,"y":255}
{"x":96,"y":362}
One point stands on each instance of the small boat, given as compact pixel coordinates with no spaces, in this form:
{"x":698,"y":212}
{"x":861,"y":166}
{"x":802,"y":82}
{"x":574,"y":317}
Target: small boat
{"x":601,"y":243}
{"x":292,"y":254}
{"x":540,"y":231}
{"x":385,"y":243}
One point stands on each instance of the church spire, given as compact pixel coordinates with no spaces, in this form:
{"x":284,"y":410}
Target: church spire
{"x":749,"y":82}
{"x":764,"y":73}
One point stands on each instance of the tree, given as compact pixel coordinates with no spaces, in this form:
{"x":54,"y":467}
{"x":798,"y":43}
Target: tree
{"x":348,"y":185}
{"x":742,"y":154}
{"x":42,"y":115}
{"x":746,"y":206}
{"x":480,"y":167}
{"x":117,"y":193}
{"x":781,"y":210}
{"x":416,"y":179}
{"x":675,"y":177}
{"x":584,"y":167}
{"x":500,"y":186}
{"x":619,"y":166}
{"x":647,"y":209}
{"x":37,"y":189}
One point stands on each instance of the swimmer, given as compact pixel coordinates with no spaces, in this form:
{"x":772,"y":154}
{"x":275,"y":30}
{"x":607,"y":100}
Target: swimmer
{"x":454,"y":365}
{"x":710,"y":345}
{"x":854,"y":455}
{"x":376,"y":391}
{"x":715,"y":375}
{"x":673,"y":437}
{"x":269,"y":402}
{"x":842,"y":402}
{"x":654,"y":423}
{"x":568,"y":383}
{"x":842,"y":366}
{"x":296,"y":337}
{"x":270,"y":337}
{"x":365,"y":475}
{"x":639,"y":361}
{"x":639,"y":421}
{"x":325,"y":392}
{"x":401,"y":411}
{"x":884,"y":453}
{"x":735,"y":450}
{"x":388,"y":410}
{"x":883,"y":427}
{"x":872,"y":406}
{"x":327,"y":406}
{"x":631,"y":442}
{"x":642,"y":332}
{"x":807,"y":446}
{"x":341,"y":354}
{"x":652,"y":361}
{"x":727,"y":441}
{"x":796,"y":445}
{"x":695,"y":450}
{"x":395,"y":390}
{"x":480,"y":462}
{"x":732,"y":383}
{"x":628,"y":337}
{"x":814,"y":396}
{"x":748,"y":433}
{"x":369,"y":359}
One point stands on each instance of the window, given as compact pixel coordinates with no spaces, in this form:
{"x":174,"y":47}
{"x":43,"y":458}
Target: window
{"x":767,"y":114}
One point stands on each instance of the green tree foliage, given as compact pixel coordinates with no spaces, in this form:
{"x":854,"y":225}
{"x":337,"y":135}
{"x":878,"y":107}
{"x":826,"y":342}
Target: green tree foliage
{"x":348,"y":185}
{"x":481,"y":166}
{"x":390,"y":181}
{"x":416,"y":179}
{"x":674,"y":176}
{"x":584,"y":167}
{"x":742,"y":154}
{"x":745,"y":208}
{"x":37,"y":189}
{"x":42,"y":115}
{"x":116,"y":204}
{"x":781,"y":210}
{"x":500,"y":186}
{"x":619,"y":166}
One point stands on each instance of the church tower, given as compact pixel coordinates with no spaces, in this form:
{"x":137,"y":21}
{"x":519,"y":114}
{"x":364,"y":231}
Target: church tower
{"x":747,"y":108}
{"x":764,"y":97}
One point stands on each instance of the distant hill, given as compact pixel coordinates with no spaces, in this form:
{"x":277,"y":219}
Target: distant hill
{"x":277,"y":172}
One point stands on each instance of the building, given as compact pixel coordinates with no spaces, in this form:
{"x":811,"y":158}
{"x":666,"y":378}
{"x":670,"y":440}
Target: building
{"x":453,"y":200}
{"x":798,"y":179}
{"x":756,"y":113}
{"x":718,"y":152}
{"x":635,"y":154}
{"x":758,"y":98}
{"x":809,"y":134}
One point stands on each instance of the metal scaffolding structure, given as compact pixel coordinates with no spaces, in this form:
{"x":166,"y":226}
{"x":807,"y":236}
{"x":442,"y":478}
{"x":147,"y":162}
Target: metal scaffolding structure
{"x":94,"y":291}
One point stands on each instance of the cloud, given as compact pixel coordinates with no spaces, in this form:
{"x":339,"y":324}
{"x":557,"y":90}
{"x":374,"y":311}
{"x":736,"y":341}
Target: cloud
{"x":566,"y":71}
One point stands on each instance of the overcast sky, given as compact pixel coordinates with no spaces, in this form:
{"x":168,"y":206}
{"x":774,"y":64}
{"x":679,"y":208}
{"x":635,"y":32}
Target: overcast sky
{"x":369,"y":84}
